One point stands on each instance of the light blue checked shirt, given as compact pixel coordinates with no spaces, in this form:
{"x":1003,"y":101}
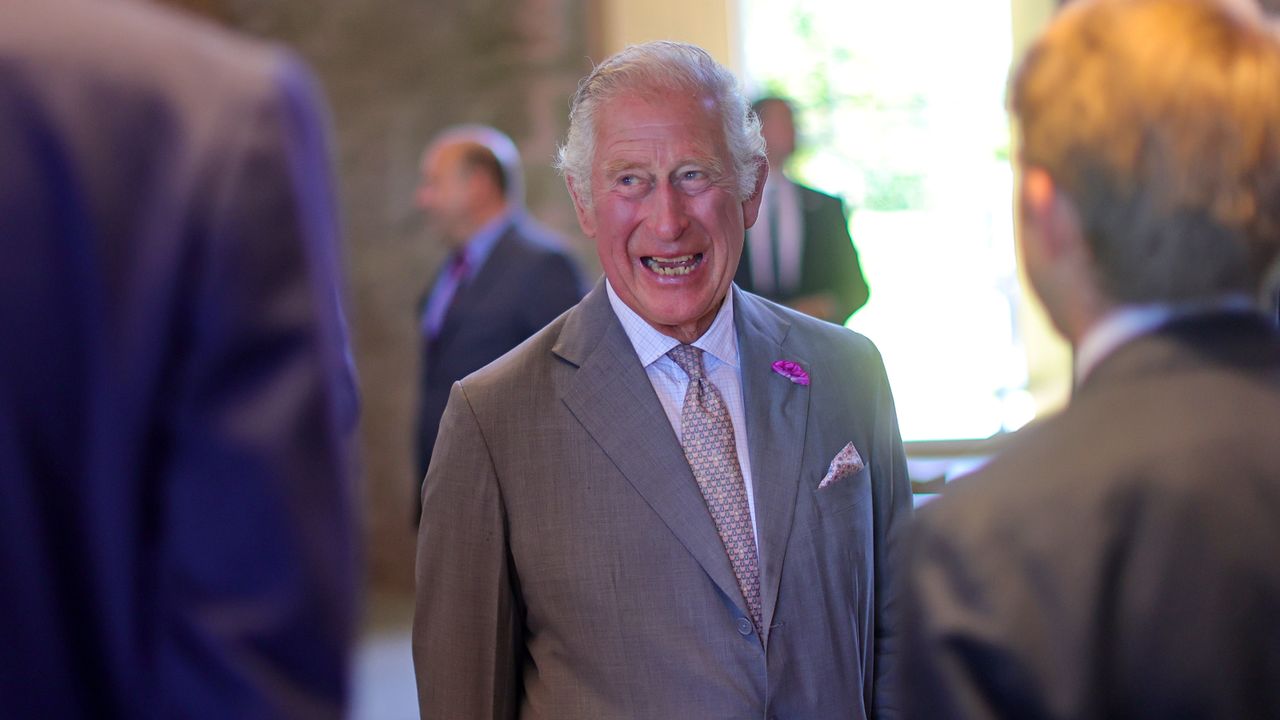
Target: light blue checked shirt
{"x":719,"y":345}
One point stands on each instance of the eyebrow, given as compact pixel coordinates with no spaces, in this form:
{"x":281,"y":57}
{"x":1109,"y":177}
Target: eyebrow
{"x":617,"y":166}
{"x":712,"y":164}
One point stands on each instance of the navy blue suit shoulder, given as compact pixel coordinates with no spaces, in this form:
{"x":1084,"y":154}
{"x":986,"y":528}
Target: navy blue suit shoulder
{"x":527,"y":280}
{"x":176,"y":395}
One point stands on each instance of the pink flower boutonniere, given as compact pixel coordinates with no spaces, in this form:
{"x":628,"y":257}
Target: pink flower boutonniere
{"x":791,"y":371}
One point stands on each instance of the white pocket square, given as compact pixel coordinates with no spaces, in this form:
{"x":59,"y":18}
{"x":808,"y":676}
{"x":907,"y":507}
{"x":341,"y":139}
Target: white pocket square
{"x":846,"y":462}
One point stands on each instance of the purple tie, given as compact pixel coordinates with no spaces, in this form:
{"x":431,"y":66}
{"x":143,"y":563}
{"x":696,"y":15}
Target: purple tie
{"x":439,"y":304}
{"x":706,"y":432}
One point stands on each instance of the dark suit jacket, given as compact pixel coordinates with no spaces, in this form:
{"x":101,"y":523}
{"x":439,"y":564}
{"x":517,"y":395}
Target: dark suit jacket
{"x":527,"y":280}
{"x":568,"y":566}
{"x":176,"y":538}
{"x":1119,"y":561}
{"x":828,"y":260}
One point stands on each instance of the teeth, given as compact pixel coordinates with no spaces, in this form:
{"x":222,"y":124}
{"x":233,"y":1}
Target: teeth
{"x":672,"y":266}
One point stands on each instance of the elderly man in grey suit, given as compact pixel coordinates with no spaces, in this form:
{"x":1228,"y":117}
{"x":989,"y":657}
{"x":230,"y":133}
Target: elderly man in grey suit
{"x":678,"y":499}
{"x":1120,"y":561}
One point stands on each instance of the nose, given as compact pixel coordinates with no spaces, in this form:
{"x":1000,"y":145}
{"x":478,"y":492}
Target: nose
{"x":669,"y":218}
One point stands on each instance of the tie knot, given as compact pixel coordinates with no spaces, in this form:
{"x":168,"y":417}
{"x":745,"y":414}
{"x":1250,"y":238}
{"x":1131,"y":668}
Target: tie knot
{"x":458,"y":265}
{"x":689,"y":358}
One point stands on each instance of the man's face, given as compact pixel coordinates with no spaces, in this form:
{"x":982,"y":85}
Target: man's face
{"x":779,"y":130}
{"x":666,"y":218}
{"x":445,"y":193}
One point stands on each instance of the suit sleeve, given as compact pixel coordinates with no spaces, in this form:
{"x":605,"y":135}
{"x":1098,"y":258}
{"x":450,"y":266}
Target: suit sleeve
{"x":842,"y":270}
{"x":893,"y":503}
{"x":467,"y":628}
{"x":257,"y":545}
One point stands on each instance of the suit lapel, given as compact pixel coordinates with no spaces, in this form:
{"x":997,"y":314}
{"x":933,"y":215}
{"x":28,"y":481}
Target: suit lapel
{"x":776,"y":414}
{"x":613,"y":399}
{"x":474,"y":291}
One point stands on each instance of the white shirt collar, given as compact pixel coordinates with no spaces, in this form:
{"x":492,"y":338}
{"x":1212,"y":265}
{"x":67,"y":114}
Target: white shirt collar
{"x":720,"y":340}
{"x":1128,"y":322}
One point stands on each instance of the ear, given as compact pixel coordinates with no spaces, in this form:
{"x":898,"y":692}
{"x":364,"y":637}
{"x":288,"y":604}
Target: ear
{"x":1049,"y":217}
{"x":751,"y":206}
{"x":1055,"y":254}
{"x":586,"y":218}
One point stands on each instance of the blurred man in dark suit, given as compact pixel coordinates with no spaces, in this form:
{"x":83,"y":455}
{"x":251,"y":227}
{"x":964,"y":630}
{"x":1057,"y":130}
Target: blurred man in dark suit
{"x":1119,"y":560}
{"x":799,"y":253}
{"x":506,"y":276}
{"x":176,"y":401}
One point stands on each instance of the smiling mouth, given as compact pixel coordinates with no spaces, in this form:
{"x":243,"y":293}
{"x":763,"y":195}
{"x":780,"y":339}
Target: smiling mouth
{"x":672,"y":266}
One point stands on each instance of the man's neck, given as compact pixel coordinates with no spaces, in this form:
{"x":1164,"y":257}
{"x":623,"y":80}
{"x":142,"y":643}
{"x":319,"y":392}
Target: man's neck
{"x":487,"y":214}
{"x":480,"y":222}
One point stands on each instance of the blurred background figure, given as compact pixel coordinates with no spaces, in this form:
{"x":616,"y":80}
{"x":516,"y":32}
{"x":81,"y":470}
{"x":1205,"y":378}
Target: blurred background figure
{"x":799,"y":252}
{"x":1271,"y":293}
{"x":504,"y":278}
{"x":177,"y":536}
{"x":1119,"y":560}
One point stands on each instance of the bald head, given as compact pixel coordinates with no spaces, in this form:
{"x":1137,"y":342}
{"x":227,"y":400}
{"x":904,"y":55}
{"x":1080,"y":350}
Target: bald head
{"x":463,"y":187}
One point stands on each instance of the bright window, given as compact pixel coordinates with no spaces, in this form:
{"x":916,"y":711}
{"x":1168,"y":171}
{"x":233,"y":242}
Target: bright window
{"x":900,"y":107}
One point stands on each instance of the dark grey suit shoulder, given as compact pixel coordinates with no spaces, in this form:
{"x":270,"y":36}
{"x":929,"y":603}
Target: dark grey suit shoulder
{"x":1117,"y":561}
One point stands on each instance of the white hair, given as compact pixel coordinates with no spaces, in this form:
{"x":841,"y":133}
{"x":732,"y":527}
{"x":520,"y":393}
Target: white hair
{"x":655,"y":66}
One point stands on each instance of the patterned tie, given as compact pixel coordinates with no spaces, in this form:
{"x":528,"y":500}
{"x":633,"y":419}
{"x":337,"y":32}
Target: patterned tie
{"x":707,"y":435}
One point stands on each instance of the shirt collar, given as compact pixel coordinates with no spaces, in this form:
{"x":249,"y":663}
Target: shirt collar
{"x":720,"y":341}
{"x":1128,"y":322}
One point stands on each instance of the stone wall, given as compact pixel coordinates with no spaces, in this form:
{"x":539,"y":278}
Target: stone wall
{"x":396,"y":72}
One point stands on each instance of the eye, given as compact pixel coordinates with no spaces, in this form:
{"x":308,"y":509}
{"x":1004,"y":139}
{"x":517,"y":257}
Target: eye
{"x":694,"y":180}
{"x":630,"y":184}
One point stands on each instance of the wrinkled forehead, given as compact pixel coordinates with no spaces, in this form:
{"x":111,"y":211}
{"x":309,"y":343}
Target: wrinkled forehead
{"x":685,"y":121}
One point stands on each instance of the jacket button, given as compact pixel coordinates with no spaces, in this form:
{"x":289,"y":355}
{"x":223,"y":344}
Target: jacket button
{"x":744,"y":627}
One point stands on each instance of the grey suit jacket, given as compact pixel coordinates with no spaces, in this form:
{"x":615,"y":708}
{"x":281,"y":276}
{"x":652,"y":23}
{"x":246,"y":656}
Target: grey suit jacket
{"x":568,"y":566}
{"x":1119,"y":561}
